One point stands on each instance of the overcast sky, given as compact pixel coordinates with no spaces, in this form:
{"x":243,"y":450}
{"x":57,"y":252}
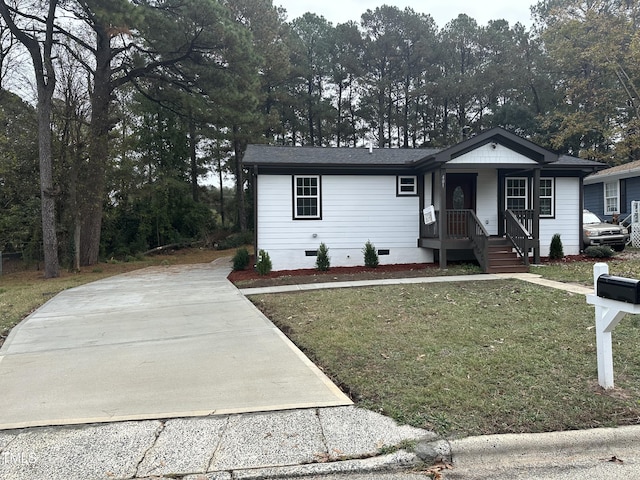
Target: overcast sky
{"x":442,"y":11}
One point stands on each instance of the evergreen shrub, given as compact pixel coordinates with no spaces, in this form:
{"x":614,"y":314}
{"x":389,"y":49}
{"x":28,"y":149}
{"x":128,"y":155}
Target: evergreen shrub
{"x":600,"y":251}
{"x":263,"y":264}
{"x":370,"y":255}
{"x":323,"y":262}
{"x":241,"y":259}
{"x":556,"y":251}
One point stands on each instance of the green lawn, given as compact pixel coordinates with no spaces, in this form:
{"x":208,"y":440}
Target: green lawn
{"x":582,"y":272}
{"x":466,"y":358}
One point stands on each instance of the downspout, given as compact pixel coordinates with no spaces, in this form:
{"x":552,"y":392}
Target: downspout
{"x":581,"y":211}
{"x":254,"y":179}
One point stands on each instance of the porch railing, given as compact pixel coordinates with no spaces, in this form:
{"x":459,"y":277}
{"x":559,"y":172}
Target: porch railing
{"x":480,"y":239}
{"x":518,"y":225}
{"x":525,"y":218}
{"x":456,"y":226}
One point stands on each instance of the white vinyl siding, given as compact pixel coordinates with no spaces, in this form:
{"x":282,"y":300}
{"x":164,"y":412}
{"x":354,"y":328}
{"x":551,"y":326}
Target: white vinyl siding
{"x":486,"y":202}
{"x":611,"y":198}
{"x":488,"y":155}
{"x":354,"y":209}
{"x":566,"y":221}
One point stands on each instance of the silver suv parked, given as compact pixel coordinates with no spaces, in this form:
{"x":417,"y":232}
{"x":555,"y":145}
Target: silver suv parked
{"x":596,"y":232}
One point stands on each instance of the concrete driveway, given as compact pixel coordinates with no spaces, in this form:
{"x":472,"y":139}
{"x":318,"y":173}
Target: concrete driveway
{"x":156,"y":343}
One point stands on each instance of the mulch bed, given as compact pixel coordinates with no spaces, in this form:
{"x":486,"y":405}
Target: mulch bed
{"x":250,"y":278}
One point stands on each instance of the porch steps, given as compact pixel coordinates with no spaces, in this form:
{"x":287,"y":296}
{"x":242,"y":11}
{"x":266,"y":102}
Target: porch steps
{"x":502,"y":259}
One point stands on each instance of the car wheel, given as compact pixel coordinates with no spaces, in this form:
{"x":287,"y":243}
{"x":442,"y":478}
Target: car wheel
{"x":619,"y":248}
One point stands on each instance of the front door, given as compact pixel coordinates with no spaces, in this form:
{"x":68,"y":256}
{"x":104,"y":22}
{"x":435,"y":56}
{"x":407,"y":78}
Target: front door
{"x":461,"y":195}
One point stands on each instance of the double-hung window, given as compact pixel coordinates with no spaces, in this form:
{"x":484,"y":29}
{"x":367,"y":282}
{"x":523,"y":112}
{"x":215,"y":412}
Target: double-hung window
{"x":306,"y":197}
{"x":517,"y":191}
{"x":516,"y":194}
{"x":611,"y":198}
{"x":547,"y":190}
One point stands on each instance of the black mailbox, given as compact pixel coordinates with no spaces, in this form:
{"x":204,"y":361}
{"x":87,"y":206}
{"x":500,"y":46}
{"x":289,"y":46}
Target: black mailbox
{"x":619,"y":288}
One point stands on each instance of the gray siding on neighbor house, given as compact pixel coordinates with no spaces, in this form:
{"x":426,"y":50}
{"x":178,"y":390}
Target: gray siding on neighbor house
{"x":594,"y":198}
{"x":633,"y":193}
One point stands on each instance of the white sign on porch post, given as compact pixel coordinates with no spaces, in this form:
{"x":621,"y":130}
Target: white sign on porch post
{"x":608,"y":315}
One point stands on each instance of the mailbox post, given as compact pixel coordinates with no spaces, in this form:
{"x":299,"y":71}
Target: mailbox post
{"x":613,"y":298}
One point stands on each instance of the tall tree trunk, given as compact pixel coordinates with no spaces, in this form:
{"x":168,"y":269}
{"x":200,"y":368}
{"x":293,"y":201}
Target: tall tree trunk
{"x":221,"y":188}
{"x":45,"y":76}
{"x":312,"y":140}
{"x":339,"y":123}
{"x":194,"y":158}
{"x":381,"y":111}
{"x":47,"y":193}
{"x":99,"y":128}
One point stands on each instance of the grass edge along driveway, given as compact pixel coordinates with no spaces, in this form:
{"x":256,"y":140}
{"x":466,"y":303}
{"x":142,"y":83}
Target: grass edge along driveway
{"x":465,"y":358}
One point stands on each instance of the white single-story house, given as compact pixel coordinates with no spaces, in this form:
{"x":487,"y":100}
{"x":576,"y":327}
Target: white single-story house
{"x":611,"y":191}
{"x":495,"y":197}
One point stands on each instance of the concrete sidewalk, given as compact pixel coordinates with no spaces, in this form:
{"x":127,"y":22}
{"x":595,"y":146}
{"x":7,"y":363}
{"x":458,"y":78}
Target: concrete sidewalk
{"x":280,"y":444}
{"x":527,"y":277}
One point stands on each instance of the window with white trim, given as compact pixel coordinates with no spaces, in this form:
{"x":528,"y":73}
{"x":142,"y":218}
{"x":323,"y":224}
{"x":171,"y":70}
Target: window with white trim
{"x":407,"y":185}
{"x":516,"y":197}
{"x":306,"y":197}
{"x":547,"y":200}
{"x":611,"y":198}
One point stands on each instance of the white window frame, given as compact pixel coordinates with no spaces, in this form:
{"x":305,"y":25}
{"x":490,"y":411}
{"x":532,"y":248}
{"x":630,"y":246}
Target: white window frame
{"x":552,"y":196}
{"x":608,"y":196}
{"x":402,"y":185}
{"x":526,"y":191}
{"x":297,"y":196}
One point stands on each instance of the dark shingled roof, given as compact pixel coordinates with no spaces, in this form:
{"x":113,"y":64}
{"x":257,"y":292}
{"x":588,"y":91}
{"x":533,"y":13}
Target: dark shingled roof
{"x":343,"y":156}
{"x":569,"y":161}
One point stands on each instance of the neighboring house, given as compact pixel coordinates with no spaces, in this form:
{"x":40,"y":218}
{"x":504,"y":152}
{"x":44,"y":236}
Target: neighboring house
{"x":611,"y":191}
{"x":496,"y":191}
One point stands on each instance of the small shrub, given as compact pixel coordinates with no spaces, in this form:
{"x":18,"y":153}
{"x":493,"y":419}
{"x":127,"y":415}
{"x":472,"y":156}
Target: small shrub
{"x":241,"y":259}
{"x":263,"y":265}
{"x":370,"y":255}
{"x":556,"y":251}
{"x":599,"y":252}
{"x":322,"y":260}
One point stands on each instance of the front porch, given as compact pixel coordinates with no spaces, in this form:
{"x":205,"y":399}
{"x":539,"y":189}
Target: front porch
{"x":509,"y":251}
